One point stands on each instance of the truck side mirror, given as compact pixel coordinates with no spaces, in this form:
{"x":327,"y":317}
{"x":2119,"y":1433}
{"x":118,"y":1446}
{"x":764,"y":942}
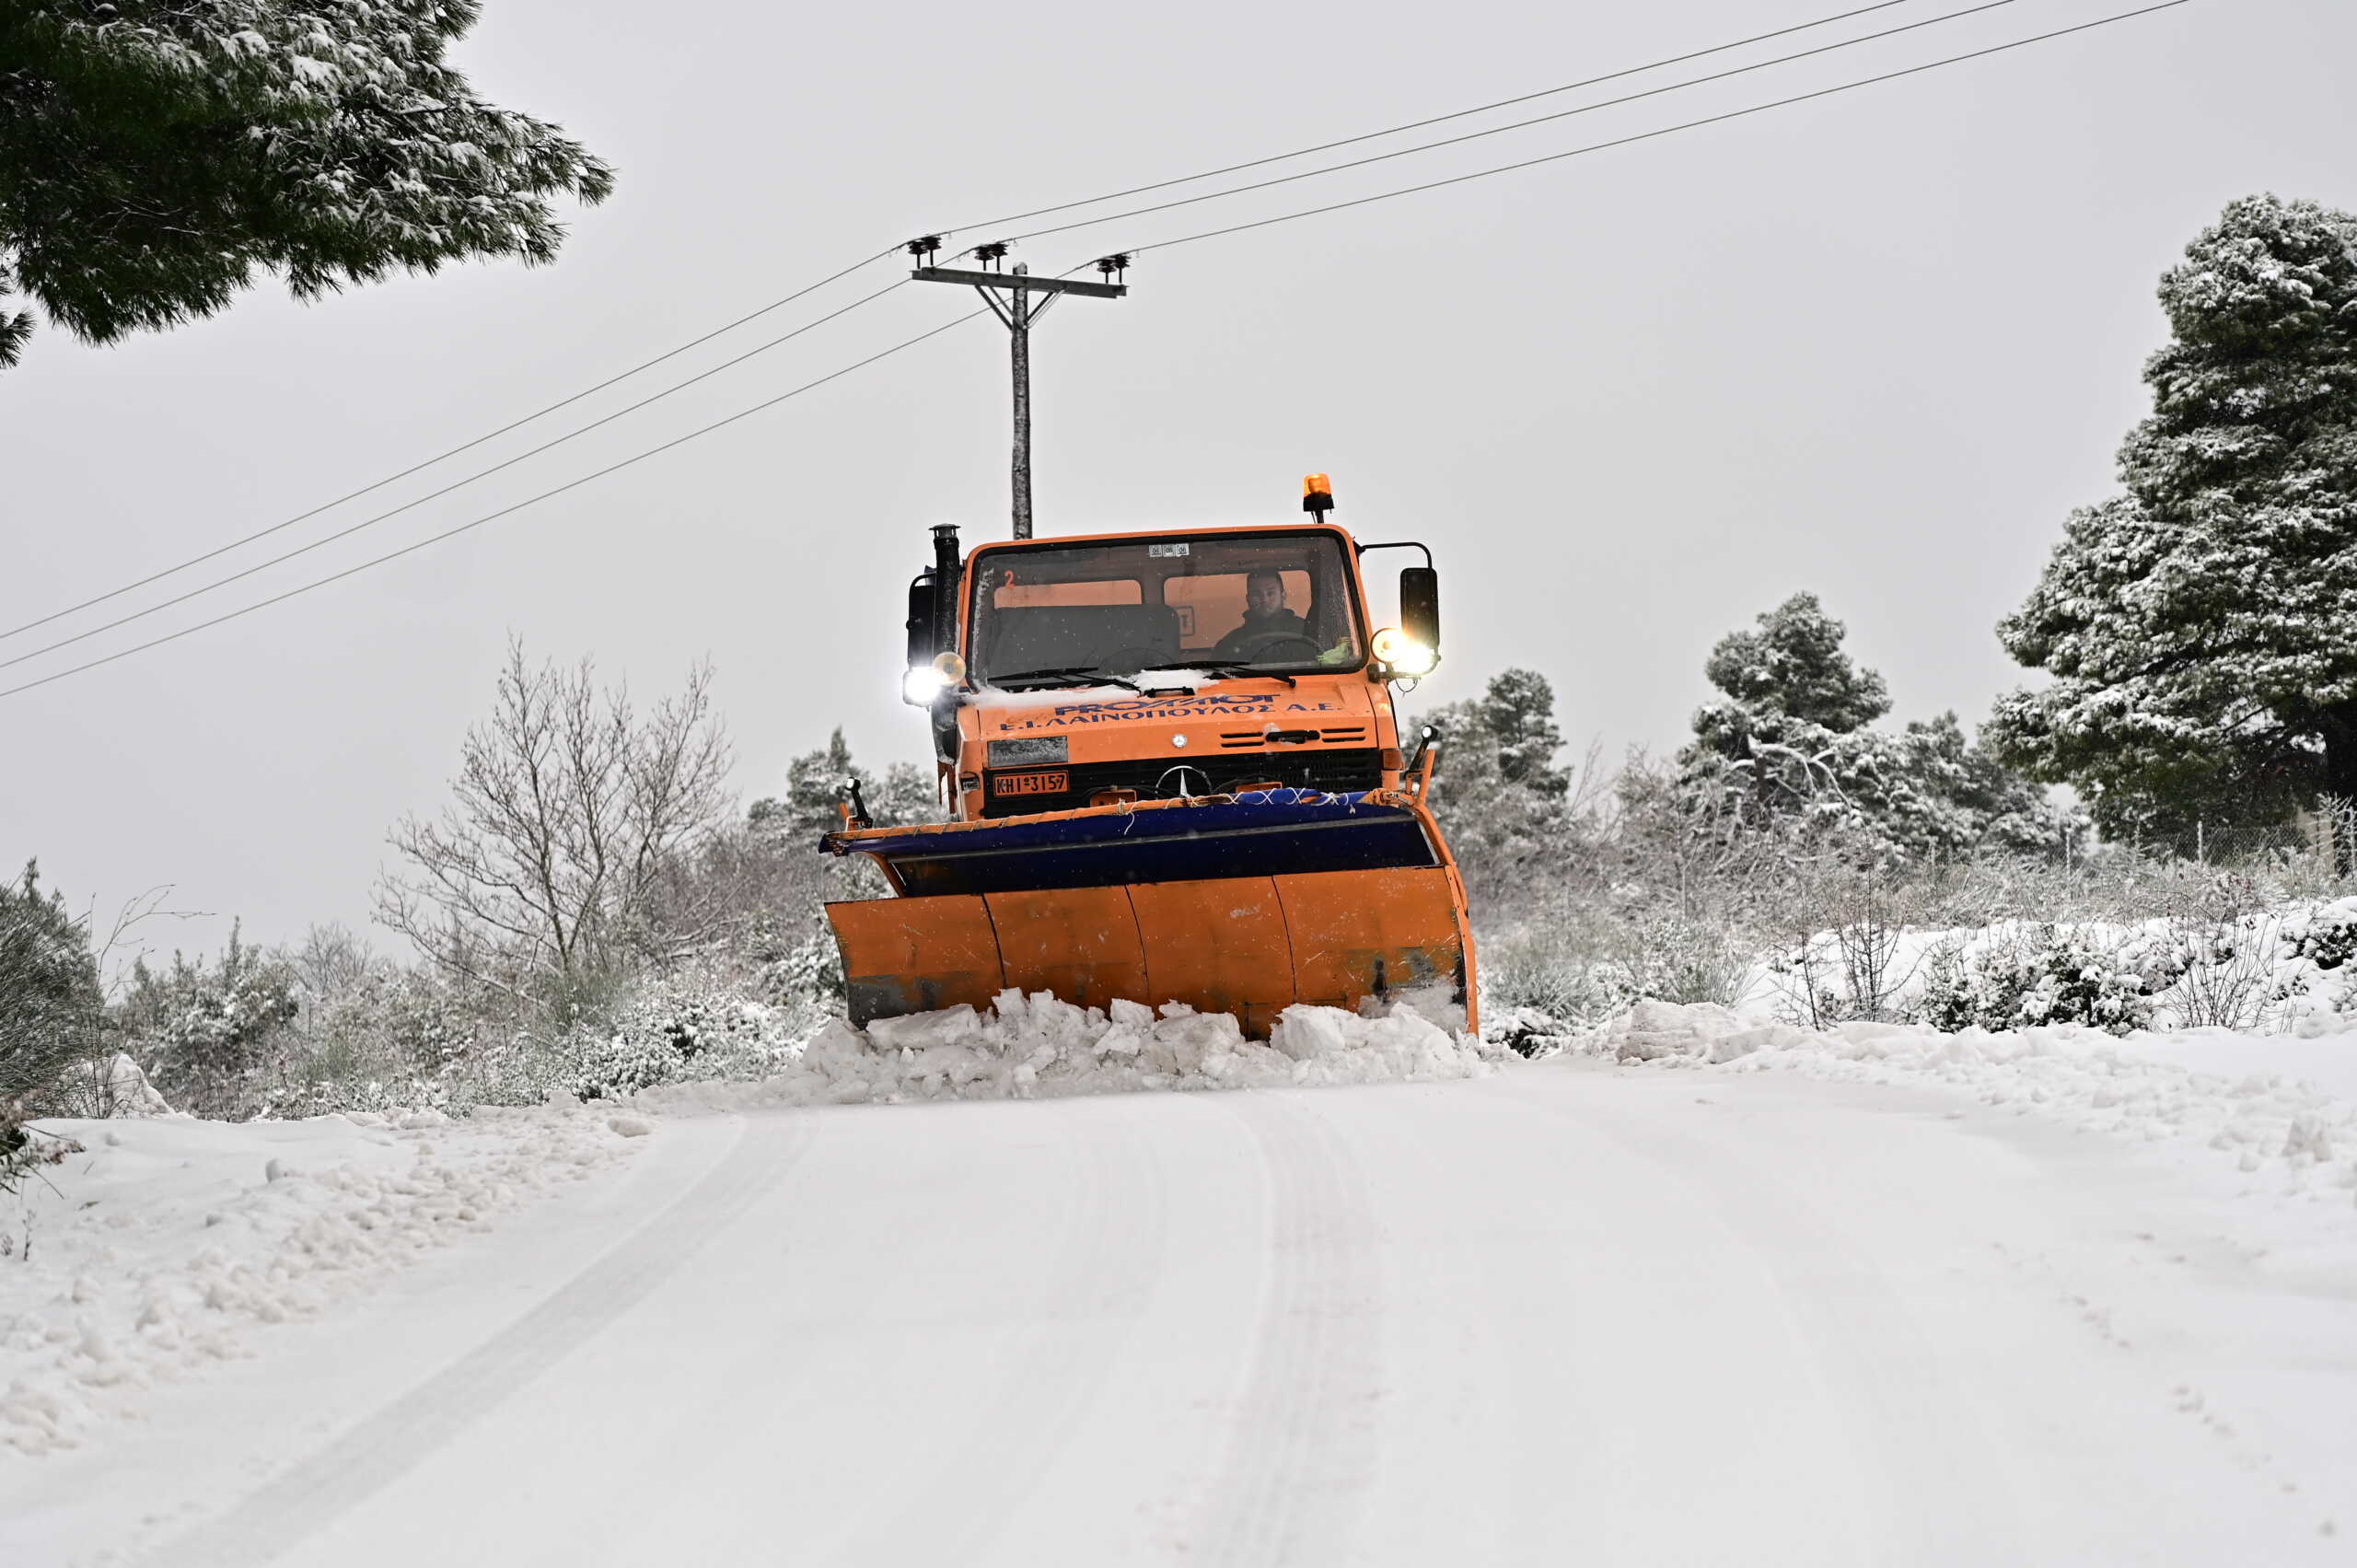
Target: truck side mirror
{"x":920,"y":624}
{"x":1420,"y":605}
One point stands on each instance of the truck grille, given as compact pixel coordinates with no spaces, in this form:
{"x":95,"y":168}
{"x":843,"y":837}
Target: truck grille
{"x":1332,"y":769}
{"x":1242,"y":739}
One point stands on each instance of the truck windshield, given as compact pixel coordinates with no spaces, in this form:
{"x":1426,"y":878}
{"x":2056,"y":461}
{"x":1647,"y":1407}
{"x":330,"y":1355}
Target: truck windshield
{"x":1264,"y":600}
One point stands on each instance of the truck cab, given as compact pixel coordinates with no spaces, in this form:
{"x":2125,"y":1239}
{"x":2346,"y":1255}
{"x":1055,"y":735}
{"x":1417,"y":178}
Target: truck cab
{"x":1103,"y":669}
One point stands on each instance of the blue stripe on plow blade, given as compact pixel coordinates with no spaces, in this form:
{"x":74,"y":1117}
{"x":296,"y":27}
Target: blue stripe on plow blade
{"x":1264,"y":833}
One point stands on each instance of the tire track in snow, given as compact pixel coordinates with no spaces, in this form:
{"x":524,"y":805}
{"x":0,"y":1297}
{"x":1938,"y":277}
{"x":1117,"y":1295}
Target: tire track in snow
{"x":977,"y":1477}
{"x":304,"y":1499}
{"x":1941,"y":1481}
{"x":1303,"y":1441}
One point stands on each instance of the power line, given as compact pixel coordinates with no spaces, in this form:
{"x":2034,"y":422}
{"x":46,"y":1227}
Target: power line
{"x":1435,"y":119}
{"x":1159,"y":245}
{"x":436,"y":494}
{"x":493,"y":516}
{"x":870,"y":260}
{"x":444,"y":457}
{"x":1519,"y":125}
{"x":1664,"y":131}
{"x":543,"y":411}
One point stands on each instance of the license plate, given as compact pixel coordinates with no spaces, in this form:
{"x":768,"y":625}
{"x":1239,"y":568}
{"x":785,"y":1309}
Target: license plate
{"x":1030,"y":783}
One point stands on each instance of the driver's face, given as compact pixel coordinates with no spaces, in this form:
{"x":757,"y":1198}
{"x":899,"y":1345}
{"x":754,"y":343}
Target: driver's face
{"x":1264,"y":597}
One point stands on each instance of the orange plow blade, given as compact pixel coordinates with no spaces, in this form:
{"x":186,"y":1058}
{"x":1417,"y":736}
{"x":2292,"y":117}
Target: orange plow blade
{"x":1388,"y":917}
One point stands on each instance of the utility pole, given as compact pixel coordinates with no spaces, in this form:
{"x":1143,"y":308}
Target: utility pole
{"x":1010,"y":296}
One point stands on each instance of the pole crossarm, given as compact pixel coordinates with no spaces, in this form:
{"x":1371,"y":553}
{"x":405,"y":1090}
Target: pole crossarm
{"x":1026,"y":299}
{"x":1023,"y":281}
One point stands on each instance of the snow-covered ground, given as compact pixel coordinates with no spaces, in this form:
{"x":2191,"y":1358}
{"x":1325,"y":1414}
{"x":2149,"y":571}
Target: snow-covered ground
{"x":1699,"y":1291}
{"x":162,"y":1246}
{"x":2279,"y":1111}
{"x":150,"y":1254}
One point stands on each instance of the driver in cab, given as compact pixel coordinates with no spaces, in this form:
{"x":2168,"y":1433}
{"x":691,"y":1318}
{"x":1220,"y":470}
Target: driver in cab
{"x":1266,"y":620}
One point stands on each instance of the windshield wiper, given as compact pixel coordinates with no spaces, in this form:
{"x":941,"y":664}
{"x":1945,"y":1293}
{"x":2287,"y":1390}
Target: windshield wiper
{"x":1232,"y":670}
{"x":1064,"y":673}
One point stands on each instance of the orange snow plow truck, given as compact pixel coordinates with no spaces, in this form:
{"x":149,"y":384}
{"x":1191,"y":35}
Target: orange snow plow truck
{"x":1174,"y":773}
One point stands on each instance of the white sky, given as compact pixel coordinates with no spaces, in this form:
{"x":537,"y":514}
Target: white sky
{"x":1876,"y":347}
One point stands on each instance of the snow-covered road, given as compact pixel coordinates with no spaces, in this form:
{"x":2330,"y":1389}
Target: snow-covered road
{"x":1571,"y":1313}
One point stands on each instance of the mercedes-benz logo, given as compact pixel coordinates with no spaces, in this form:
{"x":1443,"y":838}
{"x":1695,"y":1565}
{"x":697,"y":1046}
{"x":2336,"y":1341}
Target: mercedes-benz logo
{"x":1191,"y":781}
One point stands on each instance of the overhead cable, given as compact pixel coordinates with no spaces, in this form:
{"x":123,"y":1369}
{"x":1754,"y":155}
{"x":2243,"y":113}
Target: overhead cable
{"x":1422,"y":124}
{"x":1650,"y":136}
{"x":493,"y":516}
{"x":446,"y":456}
{"x":350,"y":529}
{"x":1517,"y":126}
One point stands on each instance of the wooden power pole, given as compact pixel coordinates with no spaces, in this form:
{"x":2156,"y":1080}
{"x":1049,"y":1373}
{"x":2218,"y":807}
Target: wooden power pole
{"x":1010,"y":296}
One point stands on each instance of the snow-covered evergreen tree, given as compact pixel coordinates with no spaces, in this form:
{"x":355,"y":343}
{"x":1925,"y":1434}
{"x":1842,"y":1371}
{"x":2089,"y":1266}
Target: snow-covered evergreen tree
{"x":2202,"y":628}
{"x":49,"y":987}
{"x":153,"y":156}
{"x":814,"y":785}
{"x":1515,"y":714}
{"x":1498,"y":793}
{"x":1794,"y":664}
{"x":1791,"y":743}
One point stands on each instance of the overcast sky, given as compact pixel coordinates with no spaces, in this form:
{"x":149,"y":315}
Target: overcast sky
{"x":1876,"y":345}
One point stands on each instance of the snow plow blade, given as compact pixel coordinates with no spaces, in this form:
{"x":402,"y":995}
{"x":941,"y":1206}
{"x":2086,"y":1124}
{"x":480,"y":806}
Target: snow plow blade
{"x":1243,"y":904}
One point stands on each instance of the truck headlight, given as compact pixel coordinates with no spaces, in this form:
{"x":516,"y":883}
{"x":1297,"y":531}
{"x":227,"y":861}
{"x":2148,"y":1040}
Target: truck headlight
{"x":922,"y":684}
{"x":1402,"y":654}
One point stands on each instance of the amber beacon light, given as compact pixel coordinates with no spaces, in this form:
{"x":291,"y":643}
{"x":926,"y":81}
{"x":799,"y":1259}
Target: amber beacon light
{"x":1317,"y":493}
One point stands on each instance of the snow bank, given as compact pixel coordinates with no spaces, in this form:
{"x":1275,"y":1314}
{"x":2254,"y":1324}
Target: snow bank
{"x":1039,"y":1046}
{"x":2273,"y":1113}
{"x":165,"y":1243}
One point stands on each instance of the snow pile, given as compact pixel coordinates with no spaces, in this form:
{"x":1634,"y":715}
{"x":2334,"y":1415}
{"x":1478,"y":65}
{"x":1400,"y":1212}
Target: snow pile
{"x":2270,"y":1116}
{"x":1039,"y":1045}
{"x":160,"y":1247}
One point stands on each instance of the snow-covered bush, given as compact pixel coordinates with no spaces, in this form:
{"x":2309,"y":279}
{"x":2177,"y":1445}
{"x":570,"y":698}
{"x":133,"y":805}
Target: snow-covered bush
{"x":2020,"y":976}
{"x":680,"y":1028}
{"x":811,"y":971}
{"x":1551,"y":970}
{"x":2225,"y":972}
{"x":2325,"y":937}
{"x":1671,"y":958}
{"x":1526,"y":1031}
{"x":24,"y":1148}
{"x":209,"y":1031}
{"x":1563,"y":973}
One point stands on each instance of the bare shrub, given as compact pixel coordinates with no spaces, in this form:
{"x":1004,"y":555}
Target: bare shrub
{"x":1554,"y":968}
{"x":1674,"y":958}
{"x":569,"y":808}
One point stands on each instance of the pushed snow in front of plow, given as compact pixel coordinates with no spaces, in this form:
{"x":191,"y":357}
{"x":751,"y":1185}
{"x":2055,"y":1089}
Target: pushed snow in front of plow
{"x":1039,"y":1046}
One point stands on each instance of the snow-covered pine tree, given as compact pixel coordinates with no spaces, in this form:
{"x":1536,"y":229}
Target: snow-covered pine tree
{"x":2202,"y":629}
{"x":1516,"y":713}
{"x":1499,"y":794}
{"x":1794,"y":664}
{"x":49,"y":988}
{"x":1791,"y":744}
{"x":1776,"y":737}
{"x":154,"y":156}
